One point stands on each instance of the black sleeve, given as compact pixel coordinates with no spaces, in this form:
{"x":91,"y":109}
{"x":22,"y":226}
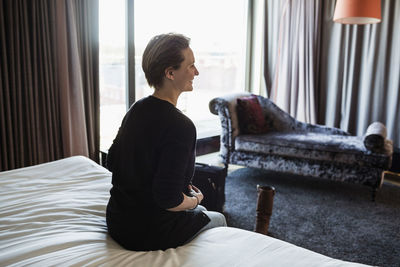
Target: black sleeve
{"x":113,"y":150}
{"x":175,"y":155}
{"x":110,"y":158}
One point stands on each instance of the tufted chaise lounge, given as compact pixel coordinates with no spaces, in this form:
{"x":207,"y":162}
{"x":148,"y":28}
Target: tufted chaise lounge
{"x":300,"y":148}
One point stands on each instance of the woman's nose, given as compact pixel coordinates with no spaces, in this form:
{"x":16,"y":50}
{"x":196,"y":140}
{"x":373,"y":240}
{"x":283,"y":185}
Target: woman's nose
{"x":196,"y":72}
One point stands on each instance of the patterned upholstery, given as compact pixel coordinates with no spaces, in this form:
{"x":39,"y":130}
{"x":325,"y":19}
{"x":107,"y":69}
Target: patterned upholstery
{"x":300,"y":148}
{"x":250,"y":115}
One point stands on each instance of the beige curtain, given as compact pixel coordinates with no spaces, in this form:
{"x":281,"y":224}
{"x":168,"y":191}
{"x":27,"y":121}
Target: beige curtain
{"x":88,"y":46}
{"x":48,"y":81}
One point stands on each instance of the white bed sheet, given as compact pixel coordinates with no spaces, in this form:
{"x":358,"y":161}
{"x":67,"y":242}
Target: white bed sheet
{"x":53,"y":214}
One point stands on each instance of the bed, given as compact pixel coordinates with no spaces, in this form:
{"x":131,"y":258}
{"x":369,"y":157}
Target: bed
{"x":53,"y":214}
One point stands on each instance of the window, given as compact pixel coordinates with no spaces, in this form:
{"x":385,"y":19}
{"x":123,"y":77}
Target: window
{"x":218,"y":38}
{"x":112,"y":69}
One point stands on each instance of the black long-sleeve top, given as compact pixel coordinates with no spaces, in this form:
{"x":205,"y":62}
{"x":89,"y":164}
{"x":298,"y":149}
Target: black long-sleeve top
{"x":152,"y":163}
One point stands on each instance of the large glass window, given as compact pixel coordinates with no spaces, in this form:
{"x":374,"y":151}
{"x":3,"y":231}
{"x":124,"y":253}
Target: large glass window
{"x":218,"y":38}
{"x":111,"y":69}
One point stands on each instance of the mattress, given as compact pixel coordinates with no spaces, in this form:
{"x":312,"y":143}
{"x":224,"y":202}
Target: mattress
{"x":53,"y":214}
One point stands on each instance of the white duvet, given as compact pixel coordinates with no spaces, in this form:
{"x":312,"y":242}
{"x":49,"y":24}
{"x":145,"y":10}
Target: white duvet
{"x":53,"y":214}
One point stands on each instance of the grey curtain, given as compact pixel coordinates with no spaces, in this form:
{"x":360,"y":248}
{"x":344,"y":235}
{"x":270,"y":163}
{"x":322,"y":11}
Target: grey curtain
{"x":48,"y":81}
{"x":346,"y":76}
{"x":292,"y":50}
{"x":360,"y":72}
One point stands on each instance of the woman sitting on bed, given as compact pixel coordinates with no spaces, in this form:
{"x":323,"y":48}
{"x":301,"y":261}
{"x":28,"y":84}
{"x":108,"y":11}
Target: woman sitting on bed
{"x":152,"y":204}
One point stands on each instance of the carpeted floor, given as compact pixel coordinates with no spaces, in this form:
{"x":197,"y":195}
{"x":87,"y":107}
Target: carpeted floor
{"x":335,"y":219}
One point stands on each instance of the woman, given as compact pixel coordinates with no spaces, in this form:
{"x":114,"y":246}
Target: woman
{"x":152,"y":204}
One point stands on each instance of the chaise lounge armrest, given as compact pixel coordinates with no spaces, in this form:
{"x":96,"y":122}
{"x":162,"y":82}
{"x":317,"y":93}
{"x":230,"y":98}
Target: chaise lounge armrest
{"x":375,"y":138}
{"x":225,"y":108}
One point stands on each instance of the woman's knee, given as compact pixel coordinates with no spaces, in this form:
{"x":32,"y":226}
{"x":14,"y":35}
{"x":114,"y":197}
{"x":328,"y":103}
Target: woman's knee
{"x":201,"y":208}
{"x":216,"y":219}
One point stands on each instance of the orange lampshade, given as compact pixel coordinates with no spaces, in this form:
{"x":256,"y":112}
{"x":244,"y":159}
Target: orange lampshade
{"x":357,"y":11}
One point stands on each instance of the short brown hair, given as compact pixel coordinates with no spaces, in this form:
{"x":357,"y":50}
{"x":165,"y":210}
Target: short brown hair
{"x":163,"y":51}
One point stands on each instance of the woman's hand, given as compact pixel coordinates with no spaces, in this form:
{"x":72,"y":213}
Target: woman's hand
{"x":196,"y":193}
{"x":189,"y":202}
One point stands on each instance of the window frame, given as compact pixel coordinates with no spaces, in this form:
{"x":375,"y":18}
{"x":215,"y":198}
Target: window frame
{"x":130,"y":54}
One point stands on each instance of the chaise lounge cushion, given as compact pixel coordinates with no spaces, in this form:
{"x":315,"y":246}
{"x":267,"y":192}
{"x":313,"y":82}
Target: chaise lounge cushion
{"x":250,"y":115}
{"x":315,"y":146}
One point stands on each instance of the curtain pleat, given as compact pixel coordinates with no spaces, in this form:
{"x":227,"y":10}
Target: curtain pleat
{"x":87,"y":11}
{"x":5,"y":99}
{"x":293,"y":60}
{"x":74,"y":139}
{"x":48,"y":109}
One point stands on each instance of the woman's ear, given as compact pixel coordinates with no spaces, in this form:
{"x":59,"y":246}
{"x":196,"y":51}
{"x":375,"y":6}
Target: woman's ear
{"x":169,"y":73}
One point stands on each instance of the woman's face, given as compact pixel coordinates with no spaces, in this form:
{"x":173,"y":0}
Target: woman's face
{"x":183,"y":77}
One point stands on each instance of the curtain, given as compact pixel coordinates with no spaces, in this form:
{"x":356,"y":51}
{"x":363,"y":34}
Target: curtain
{"x":360,"y":72}
{"x":77,"y":54}
{"x":48,"y":81}
{"x":88,"y":47}
{"x":291,"y":53}
{"x":345,"y":76}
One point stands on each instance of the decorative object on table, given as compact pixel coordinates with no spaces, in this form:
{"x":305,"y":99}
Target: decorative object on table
{"x":211,"y":182}
{"x":292,"y":146}
{"x":265,"y":201}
